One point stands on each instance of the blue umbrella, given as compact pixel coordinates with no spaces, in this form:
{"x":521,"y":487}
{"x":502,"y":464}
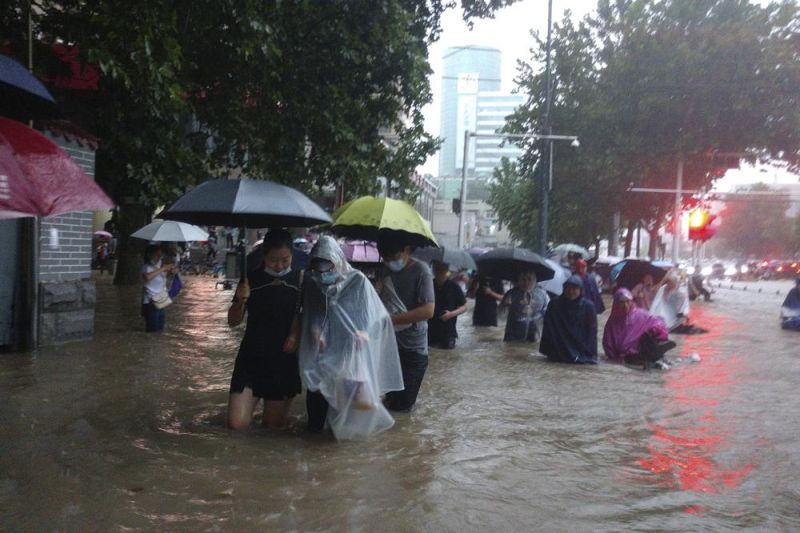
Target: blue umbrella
{"x":22,"y":96}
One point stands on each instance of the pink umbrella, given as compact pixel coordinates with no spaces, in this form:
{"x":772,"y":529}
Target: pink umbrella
{"x":361,"y":252}
{"x":37,"y":178}
{"x":101,"y":234}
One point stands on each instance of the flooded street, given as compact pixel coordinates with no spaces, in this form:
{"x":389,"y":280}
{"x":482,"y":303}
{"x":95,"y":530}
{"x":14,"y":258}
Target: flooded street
{"x":127,"y":432}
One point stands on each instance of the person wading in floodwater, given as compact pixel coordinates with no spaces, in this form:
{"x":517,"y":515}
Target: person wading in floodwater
{"x":266,"y":366}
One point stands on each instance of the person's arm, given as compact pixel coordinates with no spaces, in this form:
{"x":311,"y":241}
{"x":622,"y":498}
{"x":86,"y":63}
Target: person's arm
{"x":418,"y":314}
{"x":239,"y":306}
{"x":493,"y":295}
{"x":148,"y":276}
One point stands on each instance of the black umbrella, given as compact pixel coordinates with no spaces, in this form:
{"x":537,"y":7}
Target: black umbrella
{"x":629,"y":272}
{"x":455,"y":257}
{"x":248,"y":203}
{"x":22,"y":96}
{"x":507,"y":263}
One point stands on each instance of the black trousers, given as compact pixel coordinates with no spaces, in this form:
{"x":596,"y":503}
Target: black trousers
{"x":317,"y":409}
{"x":413,"y":365}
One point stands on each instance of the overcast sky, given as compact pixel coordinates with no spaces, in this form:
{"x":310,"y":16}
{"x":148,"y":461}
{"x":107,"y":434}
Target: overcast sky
{"x":510,"y":32}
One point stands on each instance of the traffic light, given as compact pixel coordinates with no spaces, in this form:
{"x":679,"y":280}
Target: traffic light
{"x":700,"y":225}
{"x":457,"y":206}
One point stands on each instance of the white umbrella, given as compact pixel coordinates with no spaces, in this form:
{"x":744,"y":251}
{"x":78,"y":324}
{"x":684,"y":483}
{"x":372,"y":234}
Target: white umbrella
{"x":571,"y":248}
{"x":555,"y":285}
{"x":170,"y":231}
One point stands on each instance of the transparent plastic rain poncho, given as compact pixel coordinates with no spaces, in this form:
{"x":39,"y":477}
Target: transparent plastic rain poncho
{"x":348,"y":350}
{"x":671,"y":305}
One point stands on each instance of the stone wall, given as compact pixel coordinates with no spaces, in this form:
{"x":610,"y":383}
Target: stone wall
{"x":67,"y":311}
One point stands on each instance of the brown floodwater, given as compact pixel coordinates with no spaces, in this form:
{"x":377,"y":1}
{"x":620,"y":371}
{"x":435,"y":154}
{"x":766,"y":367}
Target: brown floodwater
{"x":127,"y":432}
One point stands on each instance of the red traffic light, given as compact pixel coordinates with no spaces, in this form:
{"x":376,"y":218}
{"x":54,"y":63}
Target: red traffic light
{"x":700,"y":225}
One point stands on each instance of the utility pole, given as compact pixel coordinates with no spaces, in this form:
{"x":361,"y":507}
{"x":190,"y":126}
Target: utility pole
{"x":547,"y":145}
{"x":463,"y":190}
{"x":676,"y":211}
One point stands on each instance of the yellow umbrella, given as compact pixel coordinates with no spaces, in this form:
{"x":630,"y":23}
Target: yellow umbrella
{"x":368,"y":216}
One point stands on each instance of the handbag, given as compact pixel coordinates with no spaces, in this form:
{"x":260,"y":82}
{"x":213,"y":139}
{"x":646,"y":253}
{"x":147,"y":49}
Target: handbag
{"x":160,"y":300}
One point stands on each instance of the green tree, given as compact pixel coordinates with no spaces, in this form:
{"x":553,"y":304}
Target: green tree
{"x":644,"y":83}
{"x":757,"y":226}
{"x":303,"y":93}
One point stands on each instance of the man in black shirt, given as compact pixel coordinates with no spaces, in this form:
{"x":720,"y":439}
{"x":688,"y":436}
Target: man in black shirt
{"x":450,"y":303}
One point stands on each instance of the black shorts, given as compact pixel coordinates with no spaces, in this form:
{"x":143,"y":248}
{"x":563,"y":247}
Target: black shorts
{"x":275,"y":377}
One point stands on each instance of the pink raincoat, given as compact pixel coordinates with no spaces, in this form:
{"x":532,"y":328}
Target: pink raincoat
{"x":624,"y":331}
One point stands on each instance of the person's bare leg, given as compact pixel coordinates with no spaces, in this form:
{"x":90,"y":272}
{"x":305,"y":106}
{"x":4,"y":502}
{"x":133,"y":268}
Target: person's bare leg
{"x":275,"y":413}
{"x":240,"y":408}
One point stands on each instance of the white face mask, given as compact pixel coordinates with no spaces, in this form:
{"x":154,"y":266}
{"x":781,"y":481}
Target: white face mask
{"x":156,"y":264}
{"x":397,"y":265}
{"x":277,"y":274}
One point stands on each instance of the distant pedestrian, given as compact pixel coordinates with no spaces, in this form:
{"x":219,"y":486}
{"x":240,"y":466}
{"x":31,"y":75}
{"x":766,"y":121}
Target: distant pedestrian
{"x":645,"y":291}
{"x":671,"y":303}
{"x":488,"y":292}
{"x":155,"y":295}
{"x":790,"y":309}
{"x":590,"y":290}
{"x":695,"y":285}
{"x":413,"y":283}
{"x":266,"y":366}
{"x":450,"y":303}
{"x":526,"y":304}
{"x":569,"y":334}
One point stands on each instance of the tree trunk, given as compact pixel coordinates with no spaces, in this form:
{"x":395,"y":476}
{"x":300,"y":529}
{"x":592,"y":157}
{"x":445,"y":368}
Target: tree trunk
{"x":629,"y":238}
{"x":130,"y":251}
{"x":613,"y":236}
{"x":653,"y":246}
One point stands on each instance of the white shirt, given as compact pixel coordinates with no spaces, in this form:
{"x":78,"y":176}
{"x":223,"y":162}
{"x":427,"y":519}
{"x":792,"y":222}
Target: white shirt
{"x":155,"y":285}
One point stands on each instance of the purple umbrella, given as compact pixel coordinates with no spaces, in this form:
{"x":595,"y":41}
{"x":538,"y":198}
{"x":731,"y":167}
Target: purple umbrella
{"x":361,"y":252}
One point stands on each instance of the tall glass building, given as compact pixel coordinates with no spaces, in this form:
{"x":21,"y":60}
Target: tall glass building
{"x":471,"y":100}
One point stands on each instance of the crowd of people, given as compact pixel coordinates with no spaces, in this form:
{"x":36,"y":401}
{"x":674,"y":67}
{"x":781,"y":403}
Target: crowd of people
{"x":357,"y":339}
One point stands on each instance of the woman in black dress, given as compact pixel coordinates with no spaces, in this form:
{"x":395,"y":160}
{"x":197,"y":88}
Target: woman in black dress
{"x":266,"y":366}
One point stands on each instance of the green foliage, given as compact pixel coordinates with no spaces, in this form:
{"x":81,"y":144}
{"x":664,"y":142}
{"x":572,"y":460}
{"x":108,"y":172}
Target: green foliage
{"x":512,"y":196}
{"x":758,"y":227}
{"x":310,"y":94}
{"x":304,"y":93}
{"x":644,"y":83}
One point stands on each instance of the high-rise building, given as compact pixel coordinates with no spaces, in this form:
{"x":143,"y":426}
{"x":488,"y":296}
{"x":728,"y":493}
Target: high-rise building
{"x":467,"y":70}
{"x":472,"y":101}
{"x":492,"y":110}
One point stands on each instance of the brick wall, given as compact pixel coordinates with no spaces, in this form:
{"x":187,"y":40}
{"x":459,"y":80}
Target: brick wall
{"x":67,"y":295}
{"x":72,"y":259}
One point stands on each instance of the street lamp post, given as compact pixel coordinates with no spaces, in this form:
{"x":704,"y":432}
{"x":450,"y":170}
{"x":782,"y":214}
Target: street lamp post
{"x":469,"y":134}
{"x":546,"y":170}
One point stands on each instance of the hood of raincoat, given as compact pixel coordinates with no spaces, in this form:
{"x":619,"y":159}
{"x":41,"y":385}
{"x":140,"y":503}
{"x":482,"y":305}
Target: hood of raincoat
{"x":624,"y":329}
{"x":791,"y":305}
{"x":348,"y":350}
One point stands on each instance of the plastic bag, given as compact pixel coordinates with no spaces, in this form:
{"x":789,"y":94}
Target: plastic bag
{"x":160,"y":300}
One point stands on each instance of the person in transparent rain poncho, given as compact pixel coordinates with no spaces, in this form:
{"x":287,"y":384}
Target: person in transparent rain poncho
{"x":348,"y":352}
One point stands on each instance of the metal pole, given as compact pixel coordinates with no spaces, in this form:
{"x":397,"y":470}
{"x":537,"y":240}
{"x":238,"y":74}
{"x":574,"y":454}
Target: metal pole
{"x":676,"y":213}
{"x":30,"y":230}
{"x":546,"y":170}
{"x":463,"y":190}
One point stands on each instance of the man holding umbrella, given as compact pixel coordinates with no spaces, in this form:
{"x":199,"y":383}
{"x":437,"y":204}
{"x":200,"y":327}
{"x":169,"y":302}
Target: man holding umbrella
{"x":413,"y":283}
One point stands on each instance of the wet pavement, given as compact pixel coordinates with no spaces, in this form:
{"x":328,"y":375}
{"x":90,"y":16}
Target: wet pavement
{"x":127,"y":432}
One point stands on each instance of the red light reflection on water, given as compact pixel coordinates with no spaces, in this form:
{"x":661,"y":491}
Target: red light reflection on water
{"x":684,"y":445}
